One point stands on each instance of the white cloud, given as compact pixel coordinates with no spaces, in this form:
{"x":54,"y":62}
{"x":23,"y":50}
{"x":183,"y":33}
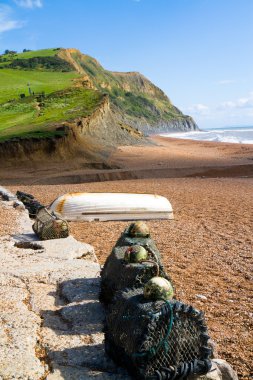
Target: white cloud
{"x":232,"y":112}
{"x":6,"y":22}
{"x":29,"y":3}
{"x":246,"y":102}
{"x":198,"y":109}
{"x":226,"y":81}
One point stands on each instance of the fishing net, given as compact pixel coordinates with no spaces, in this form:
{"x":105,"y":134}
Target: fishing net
{"x":49,"y":226}
{"x":162,"y":340}
{"x":118,"y":274}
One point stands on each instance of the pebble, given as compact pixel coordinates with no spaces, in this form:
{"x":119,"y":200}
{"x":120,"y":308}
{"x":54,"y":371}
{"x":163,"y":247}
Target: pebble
{"x":201,"y":296}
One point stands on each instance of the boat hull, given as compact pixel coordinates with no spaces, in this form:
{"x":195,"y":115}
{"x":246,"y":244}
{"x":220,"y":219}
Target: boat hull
{"x":111,"y":206}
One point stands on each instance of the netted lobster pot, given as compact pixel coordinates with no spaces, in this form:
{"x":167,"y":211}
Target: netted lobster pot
{"x":126,"y":239}
{"x":49,"y":226}
{"x":156,"y":340}
{"x":118,"y":274}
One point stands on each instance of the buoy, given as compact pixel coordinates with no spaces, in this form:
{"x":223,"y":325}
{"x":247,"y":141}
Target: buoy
{"x":136,"y":254}
{"x":158,"y":288}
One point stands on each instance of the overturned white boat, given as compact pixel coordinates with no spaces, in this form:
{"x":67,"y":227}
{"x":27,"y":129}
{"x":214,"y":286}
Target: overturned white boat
{"x":111,"y":206}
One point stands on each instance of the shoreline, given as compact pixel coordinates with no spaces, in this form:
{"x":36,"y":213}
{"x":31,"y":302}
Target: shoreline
{"x":232,"y":135}
{"x":162,"y":158}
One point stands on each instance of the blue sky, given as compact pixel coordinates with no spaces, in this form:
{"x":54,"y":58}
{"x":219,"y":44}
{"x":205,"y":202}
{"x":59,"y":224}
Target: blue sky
{"x":200,"y":52}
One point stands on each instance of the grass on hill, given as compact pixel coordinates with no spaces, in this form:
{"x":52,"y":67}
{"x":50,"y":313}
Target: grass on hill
{"x":7,"y":58}
{"x":14,"y":82}
{"x":39,"y":53}
{"x":29,"y":118}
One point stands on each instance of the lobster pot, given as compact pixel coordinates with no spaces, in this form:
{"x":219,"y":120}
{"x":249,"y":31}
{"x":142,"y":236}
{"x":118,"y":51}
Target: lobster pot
{"x":156,"y":340}
{"x":49,"y":226}
{"x":118,"y":274}
{"x":126,"y":239}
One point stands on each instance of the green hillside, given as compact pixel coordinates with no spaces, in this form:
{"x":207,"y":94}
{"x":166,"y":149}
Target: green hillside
{"x":7,"y":58}
{"x":40,"y":89}
{"x":27,"y":117}
{"x":14,"y":82}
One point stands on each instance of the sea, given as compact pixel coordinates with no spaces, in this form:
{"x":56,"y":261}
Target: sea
{"x":237,"y":135}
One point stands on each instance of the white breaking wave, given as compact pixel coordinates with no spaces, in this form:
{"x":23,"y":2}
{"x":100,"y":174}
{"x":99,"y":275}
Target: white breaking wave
{"x":230,"y":135}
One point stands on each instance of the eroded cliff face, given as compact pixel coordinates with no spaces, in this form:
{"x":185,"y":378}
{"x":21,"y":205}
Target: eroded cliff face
{"x":86,"y":141}
{"x":177,"y":125}
{"x":134,"y":98}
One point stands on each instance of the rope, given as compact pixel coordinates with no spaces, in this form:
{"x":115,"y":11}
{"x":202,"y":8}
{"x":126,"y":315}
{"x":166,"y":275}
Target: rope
{"x":150,"y":250}
{"x":153,"y":350}
{"x":152,"y":262}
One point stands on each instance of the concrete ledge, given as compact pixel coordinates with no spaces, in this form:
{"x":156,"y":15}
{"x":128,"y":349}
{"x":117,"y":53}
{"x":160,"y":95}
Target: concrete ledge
{"x":41,"y":316}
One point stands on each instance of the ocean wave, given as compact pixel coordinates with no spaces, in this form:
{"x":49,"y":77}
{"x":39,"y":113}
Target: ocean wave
{"x":236,"y":136}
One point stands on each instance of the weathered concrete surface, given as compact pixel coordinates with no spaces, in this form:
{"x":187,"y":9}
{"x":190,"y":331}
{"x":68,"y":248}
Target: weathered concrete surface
{"x":227,"y":372}
{"x":19,"y":332}
{"x":50,"y":317}
{"x":61,"y":249}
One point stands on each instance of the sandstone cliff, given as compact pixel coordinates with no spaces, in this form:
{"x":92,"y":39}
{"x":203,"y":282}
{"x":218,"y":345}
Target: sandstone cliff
{"x":88,"y":140}
{"x":137,"y":101}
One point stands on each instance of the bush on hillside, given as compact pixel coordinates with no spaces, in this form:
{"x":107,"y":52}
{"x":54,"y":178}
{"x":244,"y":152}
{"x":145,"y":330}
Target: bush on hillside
{"x":10,"y":51}
{"x":41,"y":63}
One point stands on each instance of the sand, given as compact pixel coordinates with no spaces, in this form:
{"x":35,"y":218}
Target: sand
{"x":175,"y":153}
{"x":207,"y":249}
{"x":162,"y":158}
